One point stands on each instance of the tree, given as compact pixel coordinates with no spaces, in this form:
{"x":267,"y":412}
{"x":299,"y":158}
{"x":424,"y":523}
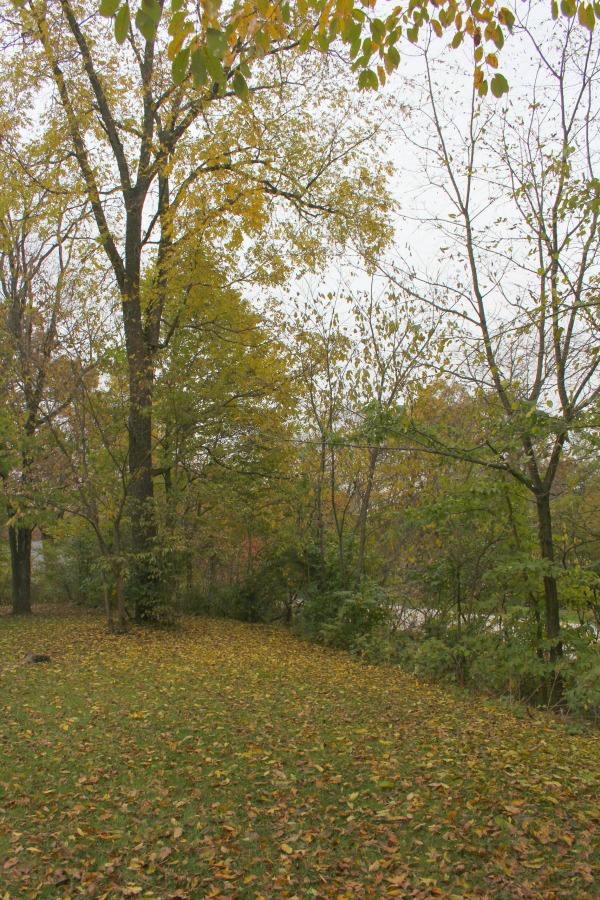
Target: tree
{"x":519,"y":271}
{"x":146,"y":149}
{"x":250,"y":28}
{"x":359,"y":359}
{"x":37,"y":281}
{"x":221,"y":389}
{"x":93,"y":471}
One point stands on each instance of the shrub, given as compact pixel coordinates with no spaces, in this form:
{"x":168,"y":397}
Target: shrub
{"x":582,"y":672}
{"x":342,"y":618}
{"x":430,"y":659}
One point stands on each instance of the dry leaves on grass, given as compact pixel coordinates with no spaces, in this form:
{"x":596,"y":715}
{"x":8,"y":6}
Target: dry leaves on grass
{"x":225,"y":760}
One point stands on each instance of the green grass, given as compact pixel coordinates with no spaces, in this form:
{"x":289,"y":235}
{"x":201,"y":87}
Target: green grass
{"x":227,"y":760}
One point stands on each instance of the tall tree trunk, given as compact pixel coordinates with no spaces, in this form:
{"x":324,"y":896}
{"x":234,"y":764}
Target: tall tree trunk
{"x":339,"y":524}
{"x":320,"y":519}
{"x":121,"y":609}
{"x":144,"y":584}
{"x":363,"y":514}
{"x":143,"y":523}
{"x":117,"y":567}
{"x":19,"y":538}
{"x":110,"y":623}
{"x":552,"y":610}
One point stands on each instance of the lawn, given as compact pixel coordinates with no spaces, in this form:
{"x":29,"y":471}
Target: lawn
{"x":228,"y":760}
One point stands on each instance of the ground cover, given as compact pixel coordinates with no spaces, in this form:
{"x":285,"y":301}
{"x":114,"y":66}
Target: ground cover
{"x":228,"y":760}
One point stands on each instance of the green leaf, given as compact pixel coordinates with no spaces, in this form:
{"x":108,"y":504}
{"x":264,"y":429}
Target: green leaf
{"x":199,"y":73}
{"x":214,"y":67}
{"x":305,"y":41}
{"x":176,"y":23}
{"x":377,"y":30}
{"x":122,"y":21}
{"x":179,"y":66}
{"x":506,"y":17}
{"x":457,"y":39}
{"x":152,"y":8}
{"x":368,"y":80}
{"x":108,"y":8}
{"x":393,"y":58}
{"x":244,"y":69}
{"x":216,"y":42}
{"x":568,"y":8}
{"x":363,"y":80}
{"x":352,"y":32}
{"x":176,"y":5}
{"x":554,"y":9}
{"x":240,"y":86}
{"x":286,"y":14}
{"x":145,"y":24}
{"x":262,"y":40}
{"x":587,"y":17}
{"x":499,"y":85}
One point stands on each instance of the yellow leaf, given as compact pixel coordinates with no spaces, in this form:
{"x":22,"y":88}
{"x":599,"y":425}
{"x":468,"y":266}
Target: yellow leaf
{"x":286,"y":848}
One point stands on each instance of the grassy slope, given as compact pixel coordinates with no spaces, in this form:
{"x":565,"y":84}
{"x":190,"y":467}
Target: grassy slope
{"x":224,"y":760}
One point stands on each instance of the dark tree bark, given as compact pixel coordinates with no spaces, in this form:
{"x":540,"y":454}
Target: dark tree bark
{"x":19,"y":538}
{"x":361,"y":525}
{"x":552,"y":606}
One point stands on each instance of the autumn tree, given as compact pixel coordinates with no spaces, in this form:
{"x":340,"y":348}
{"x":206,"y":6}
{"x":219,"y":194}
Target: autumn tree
{"x":358,"y":359}
{"x":91,"y":464}
{"x":519,"y":268}
{"x":38,"y":250}
{"x":148,"y":147}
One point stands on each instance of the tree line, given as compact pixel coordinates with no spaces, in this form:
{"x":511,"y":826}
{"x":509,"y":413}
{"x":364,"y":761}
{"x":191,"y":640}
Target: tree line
{"x":417,"y":445}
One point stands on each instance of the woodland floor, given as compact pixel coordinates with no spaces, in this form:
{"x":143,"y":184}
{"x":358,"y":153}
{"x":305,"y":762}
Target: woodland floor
{"x":227,"y":760}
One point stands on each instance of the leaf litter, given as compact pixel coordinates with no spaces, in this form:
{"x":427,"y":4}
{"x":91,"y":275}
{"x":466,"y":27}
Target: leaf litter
{"x":223,"y":760}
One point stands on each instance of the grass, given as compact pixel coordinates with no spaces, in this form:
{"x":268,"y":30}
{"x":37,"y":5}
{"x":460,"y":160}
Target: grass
{"x":227,"y":760}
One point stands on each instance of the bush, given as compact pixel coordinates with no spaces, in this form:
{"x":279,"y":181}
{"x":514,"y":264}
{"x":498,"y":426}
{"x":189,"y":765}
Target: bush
{"x":582,"y":672}
{"x":380,"y":645}
{"x":430,"y":659}
{"x":342,"y":618}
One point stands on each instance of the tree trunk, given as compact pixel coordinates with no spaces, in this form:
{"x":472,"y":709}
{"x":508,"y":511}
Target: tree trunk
{"x":363,"y":514}
{"x":20,"y":559}
{"x":121,"y":611}
{"x":339,"y":525}
{"x":552,"y":610}
{"x":145,"y":582}
{"x":110,"y":624}
{"x":117,"y":567}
